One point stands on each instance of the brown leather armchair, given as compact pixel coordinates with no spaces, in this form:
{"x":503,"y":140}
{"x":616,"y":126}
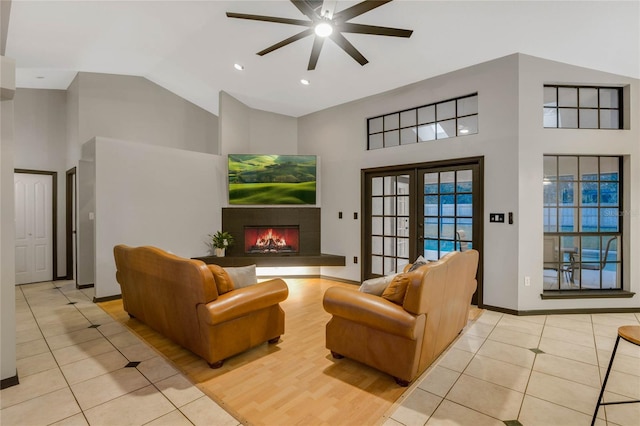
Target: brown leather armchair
{"x":404,"y":339}
{"x":179,"y":298}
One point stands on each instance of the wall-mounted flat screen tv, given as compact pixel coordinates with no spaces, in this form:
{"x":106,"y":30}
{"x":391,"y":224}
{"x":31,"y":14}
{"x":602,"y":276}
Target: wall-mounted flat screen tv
{"x":272,"y":179}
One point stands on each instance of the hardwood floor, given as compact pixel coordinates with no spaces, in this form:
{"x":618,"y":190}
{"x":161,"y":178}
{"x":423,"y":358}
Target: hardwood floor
{"x":294,"y":382}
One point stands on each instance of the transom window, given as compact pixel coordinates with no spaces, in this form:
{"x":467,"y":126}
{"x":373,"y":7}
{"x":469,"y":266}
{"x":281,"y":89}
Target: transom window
{"x":573,"y":107}
{"x":441,"y":120}
{"x":582,"y":227}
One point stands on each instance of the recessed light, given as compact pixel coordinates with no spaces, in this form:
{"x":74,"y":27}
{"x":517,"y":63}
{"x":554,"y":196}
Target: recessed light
{"x":305,"y":82}
{"x":238,"y":67}
{"x":324,"y":29}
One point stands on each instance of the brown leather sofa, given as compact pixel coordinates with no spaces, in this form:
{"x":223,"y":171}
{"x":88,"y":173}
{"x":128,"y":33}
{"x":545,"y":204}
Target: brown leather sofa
{"x":404,"y":339}
{"x":182,"y":299}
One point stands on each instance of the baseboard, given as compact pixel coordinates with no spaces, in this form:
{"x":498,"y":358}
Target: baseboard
{"x":107,"y":298}
{"x":562,"y":311}
{"x":81,"y":286}
{"x":10,"y":381}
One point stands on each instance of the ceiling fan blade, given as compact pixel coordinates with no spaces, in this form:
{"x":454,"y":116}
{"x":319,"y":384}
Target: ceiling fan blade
{"x":345,"y":45}
{"x":348,"y":27}
{"x":359,"y":9}
{"x":269,"y":19}
{"x":308,"y":7}
{"x":315,"y":53}
{"x":289,"y":40}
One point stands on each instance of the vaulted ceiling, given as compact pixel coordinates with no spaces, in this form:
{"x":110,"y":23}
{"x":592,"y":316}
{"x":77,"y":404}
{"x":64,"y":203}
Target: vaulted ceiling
{"x":190,"y":47}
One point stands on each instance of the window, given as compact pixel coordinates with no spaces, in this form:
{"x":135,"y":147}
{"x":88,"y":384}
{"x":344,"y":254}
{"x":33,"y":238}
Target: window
{"x":447,"y":119}
{"x":582,"y":227}
{"x":573,"y":107}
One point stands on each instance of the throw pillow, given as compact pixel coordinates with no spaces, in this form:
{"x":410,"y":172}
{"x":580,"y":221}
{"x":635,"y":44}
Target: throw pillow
{"x":375,"y":285}
{"x":222,"y":279}
{"x":242,"y":276}
{"x":397,"y":288}
{"x":416,"y":265}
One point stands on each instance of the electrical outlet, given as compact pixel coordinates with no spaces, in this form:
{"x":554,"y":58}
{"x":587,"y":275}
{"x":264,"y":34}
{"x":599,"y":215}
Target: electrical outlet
{"x":355,"y":259}
{"x":527,"y":281}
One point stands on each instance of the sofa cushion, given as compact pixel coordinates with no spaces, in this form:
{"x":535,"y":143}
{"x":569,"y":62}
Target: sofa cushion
{"x":376,"y":285}
{"x":397,"y":288}
{"x":224,"y":284}
{"x":242,"y":276}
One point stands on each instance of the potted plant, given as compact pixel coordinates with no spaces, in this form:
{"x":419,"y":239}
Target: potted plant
{"x":220,"y":241}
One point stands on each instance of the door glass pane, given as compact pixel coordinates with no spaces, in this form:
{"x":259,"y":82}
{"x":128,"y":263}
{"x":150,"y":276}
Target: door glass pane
{"x":464,"y":181}
{"x":376,"y":186}
{"x":389,"y":205}
{"x":464,"y":205}
{"x":431,"y":205}
{"x":403,"y":226}
{"x":389,"y":265}
{"x":403,"y":206}
{"x":376,"y":245}
{"x":376,"y":225}
{"x":447,"y":228}
{"x":431,"y":227}
{"x":389,"y":246}
{"x":376,"y":205}
{"x":390,"y":226}
{"x":447,"y":180}
{"x":389,"y":185}
{"x":376,"y":265}
{"x":431,"y":250}
{"x":431,"y":183}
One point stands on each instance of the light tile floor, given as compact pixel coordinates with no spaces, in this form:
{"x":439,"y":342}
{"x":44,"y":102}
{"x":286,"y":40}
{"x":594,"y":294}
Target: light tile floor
{"x":77,"y":366}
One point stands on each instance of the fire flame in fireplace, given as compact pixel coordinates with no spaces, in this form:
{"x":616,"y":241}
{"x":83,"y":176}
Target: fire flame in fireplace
{"x":269,"y":240}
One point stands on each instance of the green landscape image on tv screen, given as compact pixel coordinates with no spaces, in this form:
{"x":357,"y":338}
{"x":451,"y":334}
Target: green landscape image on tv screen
{"x":272,"y":179}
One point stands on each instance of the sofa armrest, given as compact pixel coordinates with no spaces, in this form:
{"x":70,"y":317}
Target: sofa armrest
{"x":243,"y":301}
{"x":370,"y":310}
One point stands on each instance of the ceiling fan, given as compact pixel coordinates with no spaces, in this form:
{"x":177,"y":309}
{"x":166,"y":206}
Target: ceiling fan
{"x":325,"y":23}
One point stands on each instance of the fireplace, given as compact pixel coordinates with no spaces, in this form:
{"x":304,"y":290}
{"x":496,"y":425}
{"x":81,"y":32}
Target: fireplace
{"x":271,"y":239}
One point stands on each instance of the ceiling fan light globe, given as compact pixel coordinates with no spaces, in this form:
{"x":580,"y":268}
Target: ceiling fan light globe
{"x":323,"y":29}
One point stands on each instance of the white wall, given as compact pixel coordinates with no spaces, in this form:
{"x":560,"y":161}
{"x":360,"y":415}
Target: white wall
{"x":535,"y":141}
{"x":150,"y":195}
{"x":7,"y":228}
{"x":134,"y":108}
{"x":41,"y":138}
{"x":86,"y":208}
{"x":244,"y":130}
{"x":339,"y":135}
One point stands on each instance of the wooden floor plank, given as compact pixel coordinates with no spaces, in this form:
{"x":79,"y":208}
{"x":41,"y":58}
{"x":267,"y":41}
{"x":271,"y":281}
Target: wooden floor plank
{"x":293,"y":382}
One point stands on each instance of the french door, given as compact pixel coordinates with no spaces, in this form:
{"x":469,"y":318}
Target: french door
{"x":424,"y":210}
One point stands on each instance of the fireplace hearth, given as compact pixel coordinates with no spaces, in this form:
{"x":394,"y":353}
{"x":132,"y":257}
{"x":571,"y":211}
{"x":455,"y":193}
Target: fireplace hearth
{"x":271,"y":239}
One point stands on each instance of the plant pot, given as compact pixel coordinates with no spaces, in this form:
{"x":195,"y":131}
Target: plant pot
{"x":220,"y":252}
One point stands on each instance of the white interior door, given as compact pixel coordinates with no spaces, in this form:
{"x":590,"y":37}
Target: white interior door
{"x":33,"y":203}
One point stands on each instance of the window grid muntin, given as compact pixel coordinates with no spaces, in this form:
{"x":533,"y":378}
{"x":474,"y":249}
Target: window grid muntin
{"x":385,"y":131}
{"x":562,"y":264}
{"x":558,"y":108}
